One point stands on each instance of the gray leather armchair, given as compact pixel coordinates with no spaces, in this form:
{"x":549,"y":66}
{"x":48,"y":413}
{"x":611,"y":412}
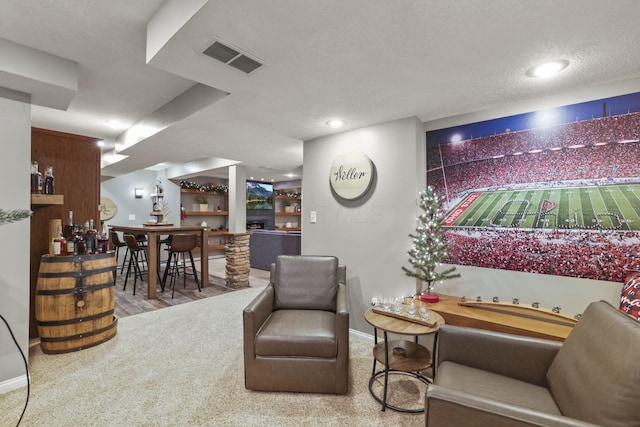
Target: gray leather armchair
{"x":486,"y":378}
{"x":296,"y":331}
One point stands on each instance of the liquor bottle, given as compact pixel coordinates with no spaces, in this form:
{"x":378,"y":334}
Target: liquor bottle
{"x":67,"y":231}
{"x":78,"y":237}
{"x":59,"y":244}
{"x":49,"y":181}
{"x":103,"y":239}
{"x":36,"y":178}
{"x":89,"y":237}
{"x":71,"y":246}
{"x":96,"y":236}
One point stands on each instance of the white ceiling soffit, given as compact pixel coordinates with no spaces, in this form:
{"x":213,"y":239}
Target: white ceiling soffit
{"x":182,"y":106}
{"x":165,"y":23}
{"x":52,"y":81}
{"x":212,"y":167}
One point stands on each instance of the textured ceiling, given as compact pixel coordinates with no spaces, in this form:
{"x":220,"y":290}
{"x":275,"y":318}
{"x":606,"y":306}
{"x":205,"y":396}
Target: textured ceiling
{"x":365,"y":61}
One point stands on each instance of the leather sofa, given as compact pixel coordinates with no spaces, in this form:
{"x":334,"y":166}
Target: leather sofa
{"x":296,"y":331}
{"x":487,"y":378}
{"x":266,"y":245}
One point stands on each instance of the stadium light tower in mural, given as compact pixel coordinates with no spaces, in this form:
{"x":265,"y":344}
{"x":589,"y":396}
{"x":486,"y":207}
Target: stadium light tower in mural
{"x":429,"y":247}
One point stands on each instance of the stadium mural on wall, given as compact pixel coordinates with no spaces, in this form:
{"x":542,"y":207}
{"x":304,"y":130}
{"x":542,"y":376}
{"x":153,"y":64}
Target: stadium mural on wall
{"x":553,"y":192}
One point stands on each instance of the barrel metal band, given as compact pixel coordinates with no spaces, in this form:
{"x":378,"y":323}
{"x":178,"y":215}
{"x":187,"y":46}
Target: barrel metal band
{"x":79,"y":336}
{"x":76,"y":290}
{"x":76,"y":274}
{"x":76,"y":320}
{"x":79,"y":258}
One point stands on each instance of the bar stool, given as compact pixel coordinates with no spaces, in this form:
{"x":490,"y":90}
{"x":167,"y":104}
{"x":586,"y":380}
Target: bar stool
{"x":166,"y":241}
{"x":134,"y":250}
{"x":142,"y":239}
{"x":117,"y":243}
{"x":181,"y":244}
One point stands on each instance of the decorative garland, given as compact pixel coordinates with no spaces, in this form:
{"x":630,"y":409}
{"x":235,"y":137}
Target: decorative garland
{"x":224,"y":189}
{"x":293,"y":194}
{"x":14,"y":215}
{"x":205,"y":188}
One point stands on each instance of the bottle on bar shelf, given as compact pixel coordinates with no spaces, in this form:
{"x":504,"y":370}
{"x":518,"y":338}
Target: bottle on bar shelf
{"x":71,"y":246}
{"x":49,"y":181}
{"x":59,"y":244}
{"x":103,"y":239}
{"x":78,"y":239}
{"x":67,"y":231}
{"x":89,"y":237}
{"x":36,"y":178}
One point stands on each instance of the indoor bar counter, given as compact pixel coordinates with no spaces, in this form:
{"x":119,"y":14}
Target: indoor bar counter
{"x":153,"y":232}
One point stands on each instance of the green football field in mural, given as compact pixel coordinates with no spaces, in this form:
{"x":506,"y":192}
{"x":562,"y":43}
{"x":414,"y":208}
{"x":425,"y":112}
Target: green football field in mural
{"x":594,"y":207}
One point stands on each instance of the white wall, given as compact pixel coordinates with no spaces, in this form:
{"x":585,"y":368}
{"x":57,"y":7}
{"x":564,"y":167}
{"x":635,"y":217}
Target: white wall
{"x":121,"y":190}
{"x":370,"y":235}
{"x":571,"y":294}
{"x":15,"y":123}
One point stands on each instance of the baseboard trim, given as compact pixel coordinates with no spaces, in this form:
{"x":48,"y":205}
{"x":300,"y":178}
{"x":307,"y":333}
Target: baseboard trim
{"x":13,"y":384}
{"x":361,"y":335}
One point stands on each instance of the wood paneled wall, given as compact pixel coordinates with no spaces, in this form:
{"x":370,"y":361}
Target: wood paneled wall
{"x":76,"y":168}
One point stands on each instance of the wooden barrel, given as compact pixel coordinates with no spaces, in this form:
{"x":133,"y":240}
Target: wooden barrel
{"x":75,"y":301}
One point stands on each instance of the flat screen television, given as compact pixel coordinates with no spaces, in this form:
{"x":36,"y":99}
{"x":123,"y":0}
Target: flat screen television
{"x":259,"y":195}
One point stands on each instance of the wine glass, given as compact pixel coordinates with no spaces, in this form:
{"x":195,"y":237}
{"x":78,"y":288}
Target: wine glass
{"x":386,"y":302}
{"x":424,"y":313}
{"x":411,"y":309}
{"x":374,"y":301}
{"x":397,"y":305}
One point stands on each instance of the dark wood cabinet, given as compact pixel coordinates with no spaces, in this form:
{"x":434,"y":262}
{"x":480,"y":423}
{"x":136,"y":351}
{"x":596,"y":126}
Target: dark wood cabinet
{"x":76,"y":168}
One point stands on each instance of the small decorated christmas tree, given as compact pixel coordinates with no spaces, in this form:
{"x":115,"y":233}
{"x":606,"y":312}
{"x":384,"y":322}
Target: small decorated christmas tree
{"x":429,"y":247}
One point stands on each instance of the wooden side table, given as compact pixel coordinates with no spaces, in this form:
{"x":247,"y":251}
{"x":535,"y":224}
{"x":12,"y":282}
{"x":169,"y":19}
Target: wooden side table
{"x":525,"y":324}
{"x":402,"y":355}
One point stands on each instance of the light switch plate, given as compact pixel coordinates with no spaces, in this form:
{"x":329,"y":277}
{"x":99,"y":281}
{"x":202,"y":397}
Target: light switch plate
{"x":312,"y":217}
{"x":132,"y":217}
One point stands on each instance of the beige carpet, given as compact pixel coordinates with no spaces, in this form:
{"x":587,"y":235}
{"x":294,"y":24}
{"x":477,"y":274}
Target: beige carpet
{"x":182,"y":366}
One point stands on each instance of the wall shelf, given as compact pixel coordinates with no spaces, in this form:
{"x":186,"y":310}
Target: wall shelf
{"x":289,"y":198}
{"x":215,"y":219}
{"x":47,"y":199}
{"x":201,"y":193}
{"x":206,"y":213}
{"x":288,"y":213}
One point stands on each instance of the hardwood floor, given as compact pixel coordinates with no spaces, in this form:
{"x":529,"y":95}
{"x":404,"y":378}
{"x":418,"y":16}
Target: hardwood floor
{"x":127,"y":304}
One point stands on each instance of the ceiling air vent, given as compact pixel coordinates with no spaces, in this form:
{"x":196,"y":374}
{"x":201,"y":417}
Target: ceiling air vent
{"x":232,"y":57}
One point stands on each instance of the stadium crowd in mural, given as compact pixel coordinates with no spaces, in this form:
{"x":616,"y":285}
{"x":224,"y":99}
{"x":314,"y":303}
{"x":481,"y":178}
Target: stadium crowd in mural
{"x":600,"y":152}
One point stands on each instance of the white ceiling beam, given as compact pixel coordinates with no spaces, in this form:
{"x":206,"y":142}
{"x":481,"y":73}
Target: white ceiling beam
{"x":51,"y":81}
{"x":165,"y":23}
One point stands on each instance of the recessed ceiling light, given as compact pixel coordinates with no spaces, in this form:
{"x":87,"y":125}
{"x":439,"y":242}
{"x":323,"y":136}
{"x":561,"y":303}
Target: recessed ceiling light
{"x":548,"y":68}
{"x":336,"y":123}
